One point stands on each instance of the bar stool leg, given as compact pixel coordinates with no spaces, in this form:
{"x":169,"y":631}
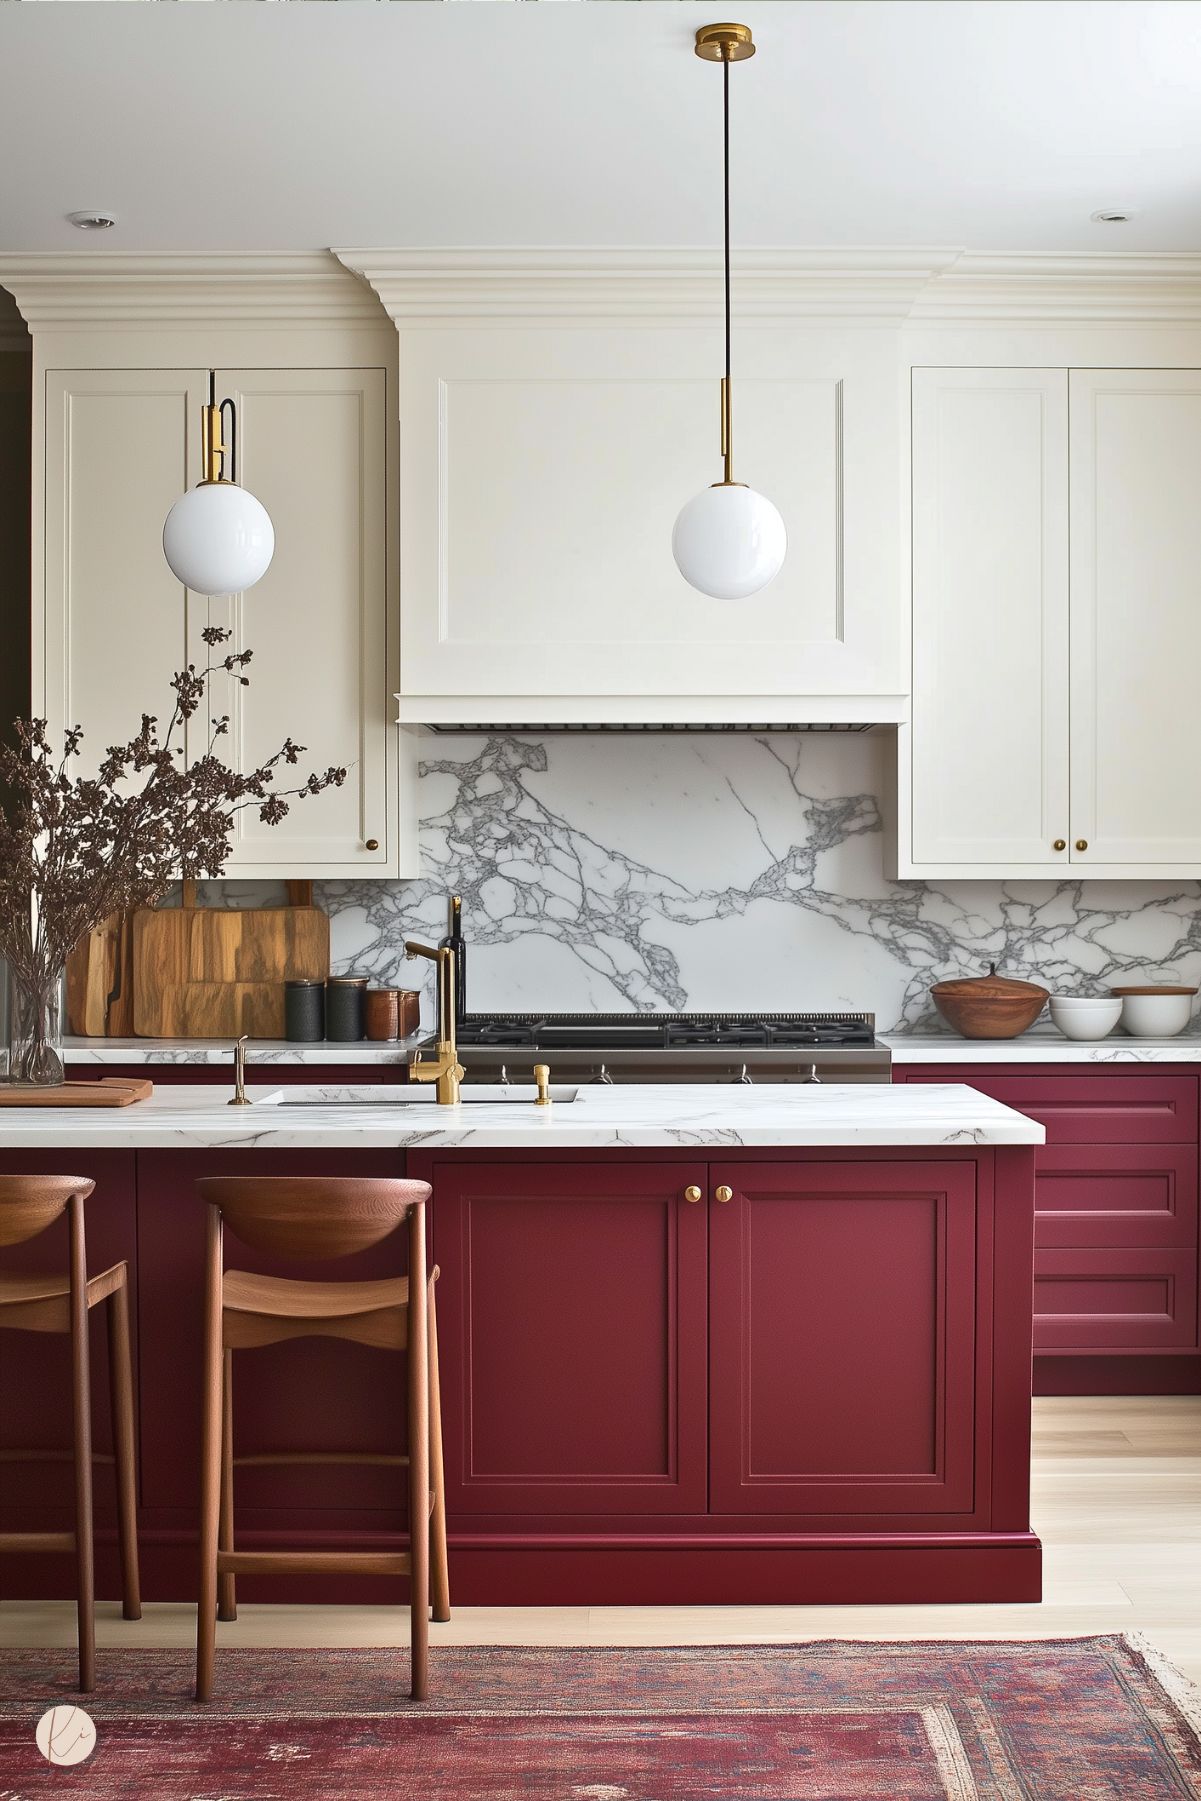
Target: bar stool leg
{"x":81,"y":1400}
{"x":120,"y":1381}
{"x":439,"y":1570}
{"x":227,"y":1599}
{"x":210,"y":1464}
{"x":419,"y":1458}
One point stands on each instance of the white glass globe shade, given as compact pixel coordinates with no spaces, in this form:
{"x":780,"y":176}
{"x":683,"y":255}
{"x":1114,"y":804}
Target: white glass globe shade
{"x":218,"y":539}
{"x":729,"y":542}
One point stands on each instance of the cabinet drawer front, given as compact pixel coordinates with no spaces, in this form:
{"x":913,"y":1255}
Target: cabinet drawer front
{"x":1116,"y":1194}
{"x":1115,"y":1300}
{"x":1092,"y":1108}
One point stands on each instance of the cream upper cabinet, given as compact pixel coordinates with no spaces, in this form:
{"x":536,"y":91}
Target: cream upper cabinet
{"x":312,"y":448}
{"x":541,"y":475}
{"x":1056,"y":624}
{"x":121,"y":445}
{"x":1136,"y":616}
{"x":988,"y":746}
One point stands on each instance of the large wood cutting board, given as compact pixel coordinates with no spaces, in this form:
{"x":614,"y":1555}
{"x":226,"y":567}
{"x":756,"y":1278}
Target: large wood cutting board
{"x":209,"y":972}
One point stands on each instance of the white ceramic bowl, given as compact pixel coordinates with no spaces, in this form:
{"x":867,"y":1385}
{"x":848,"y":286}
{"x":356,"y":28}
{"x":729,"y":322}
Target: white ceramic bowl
{"x":1082,"y":1017}
{"x":1156,"y":1015}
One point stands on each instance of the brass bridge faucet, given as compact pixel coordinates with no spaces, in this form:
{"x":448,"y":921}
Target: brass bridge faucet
{"x":444,"y":1068}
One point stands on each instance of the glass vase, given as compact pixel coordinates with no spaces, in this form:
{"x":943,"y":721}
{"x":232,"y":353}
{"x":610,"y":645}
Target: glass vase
{"x":35,"y":1029}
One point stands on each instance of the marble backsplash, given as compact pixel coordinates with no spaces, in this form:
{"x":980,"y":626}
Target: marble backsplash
{"x":725,"y":871}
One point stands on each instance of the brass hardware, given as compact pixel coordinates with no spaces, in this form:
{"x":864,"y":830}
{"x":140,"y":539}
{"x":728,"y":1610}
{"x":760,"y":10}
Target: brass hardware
{"x":1082,"y":844}
{"x":373,"y":844}
{"x":542,"y":1077}
{"x":213,"y":448}
{"x":723,"y":1193}
{"x":692,"y":1193}
{"x":445,"y":1070}
{"x":1060,"y":844}
{"x":725,"y":43}
{"x":240,"y":1098}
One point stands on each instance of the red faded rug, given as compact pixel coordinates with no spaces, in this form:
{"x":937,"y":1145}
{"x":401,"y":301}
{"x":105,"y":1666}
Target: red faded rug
{"x":1095,"y":1719}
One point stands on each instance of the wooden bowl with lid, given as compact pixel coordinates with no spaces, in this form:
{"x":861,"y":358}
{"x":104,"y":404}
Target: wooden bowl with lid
{"x":990,"y":1006}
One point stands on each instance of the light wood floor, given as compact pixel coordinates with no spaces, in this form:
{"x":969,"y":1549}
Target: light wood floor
{"x":1117,"y":1502}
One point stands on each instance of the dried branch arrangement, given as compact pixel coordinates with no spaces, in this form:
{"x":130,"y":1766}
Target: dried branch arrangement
{"x":75,"y":848}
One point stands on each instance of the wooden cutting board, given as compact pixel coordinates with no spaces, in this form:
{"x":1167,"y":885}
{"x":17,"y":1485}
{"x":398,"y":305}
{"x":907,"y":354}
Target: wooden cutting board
{"x":208,"y":972}
{"x":100,"y":980}
{"x":105,"y":1091}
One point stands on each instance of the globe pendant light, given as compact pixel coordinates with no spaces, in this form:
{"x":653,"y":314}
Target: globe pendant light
{"x":218,"y":539}
{"x":728,"y":541}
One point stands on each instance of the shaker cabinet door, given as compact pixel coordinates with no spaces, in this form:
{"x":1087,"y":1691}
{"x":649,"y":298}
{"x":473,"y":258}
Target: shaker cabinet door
{"x":312,"y":448}
{"x":843,"y":1325}
{"x":989,"y":739}
{"x":571,"y":1327}
{"x":122,"y":445}
{"x":1136,"y":617}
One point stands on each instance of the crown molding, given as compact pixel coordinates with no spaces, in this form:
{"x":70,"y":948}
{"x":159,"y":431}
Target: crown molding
{"x":1125,"y":288}
{"x":428,"y":287}
{"x":580,"y":286}
{"x":90,"y":290}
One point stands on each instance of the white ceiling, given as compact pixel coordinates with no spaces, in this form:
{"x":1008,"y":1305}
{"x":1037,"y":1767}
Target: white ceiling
{"x":993,"y":125}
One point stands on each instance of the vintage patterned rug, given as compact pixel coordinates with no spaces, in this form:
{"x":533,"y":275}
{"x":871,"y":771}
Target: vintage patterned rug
{"x":1094,"y":1719}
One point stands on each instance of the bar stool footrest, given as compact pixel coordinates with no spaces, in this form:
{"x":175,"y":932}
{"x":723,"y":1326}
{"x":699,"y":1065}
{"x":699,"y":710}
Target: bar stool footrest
{"x":37,"y":1541}
{"x":313,"y":1563}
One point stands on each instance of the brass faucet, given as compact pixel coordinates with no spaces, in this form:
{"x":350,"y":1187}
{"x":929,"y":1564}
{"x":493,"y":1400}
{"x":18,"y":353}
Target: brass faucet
{"x":445,"y":1068}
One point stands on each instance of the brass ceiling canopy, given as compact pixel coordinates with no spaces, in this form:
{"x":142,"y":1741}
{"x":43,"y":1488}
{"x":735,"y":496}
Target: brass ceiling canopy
{"x":725,"y":43}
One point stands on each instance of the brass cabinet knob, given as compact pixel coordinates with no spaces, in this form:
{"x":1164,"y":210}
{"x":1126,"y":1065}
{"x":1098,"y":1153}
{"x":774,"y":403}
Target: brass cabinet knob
{"x":373,"y":844}
{"x":1060,"y":844}
{"x":1082,"y":844}
{"x":692,"y":1192}
{"x":723,"y":1193}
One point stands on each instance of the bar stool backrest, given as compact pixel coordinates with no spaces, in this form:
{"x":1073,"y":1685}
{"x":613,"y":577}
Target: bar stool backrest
{"x":28,"y":1204}
{"x":312,"y":1216}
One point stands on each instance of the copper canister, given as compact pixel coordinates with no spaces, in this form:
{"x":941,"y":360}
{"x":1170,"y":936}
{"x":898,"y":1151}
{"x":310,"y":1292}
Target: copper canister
{"x":382,"y":1014}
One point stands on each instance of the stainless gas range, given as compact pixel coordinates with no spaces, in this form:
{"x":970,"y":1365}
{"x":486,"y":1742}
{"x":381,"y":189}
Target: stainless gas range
{"x":674,"y":1047}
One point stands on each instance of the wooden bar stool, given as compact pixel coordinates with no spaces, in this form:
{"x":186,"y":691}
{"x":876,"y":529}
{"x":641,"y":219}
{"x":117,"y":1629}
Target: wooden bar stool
{"x":61,"y":1303}
{"x":319,"y":1217}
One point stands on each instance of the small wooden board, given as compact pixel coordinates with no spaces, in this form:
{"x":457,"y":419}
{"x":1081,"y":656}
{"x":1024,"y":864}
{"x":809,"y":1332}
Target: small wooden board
{"x":105,"y":1091}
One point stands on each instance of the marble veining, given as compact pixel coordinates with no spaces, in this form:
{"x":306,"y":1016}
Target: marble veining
{"x":726,"y":871}
{"x":186,"y":1117}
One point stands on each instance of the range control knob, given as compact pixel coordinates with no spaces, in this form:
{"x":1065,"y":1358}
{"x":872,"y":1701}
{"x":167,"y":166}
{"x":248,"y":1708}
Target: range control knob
{"x":813,"y":1075}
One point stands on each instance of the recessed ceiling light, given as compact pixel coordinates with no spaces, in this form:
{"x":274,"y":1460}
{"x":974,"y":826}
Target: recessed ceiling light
{"x":92,"y":220}
{"x":1112,"y":215}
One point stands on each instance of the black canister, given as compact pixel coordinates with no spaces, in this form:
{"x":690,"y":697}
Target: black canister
{"x":345,"y":998}
{"x":304,"y":1012}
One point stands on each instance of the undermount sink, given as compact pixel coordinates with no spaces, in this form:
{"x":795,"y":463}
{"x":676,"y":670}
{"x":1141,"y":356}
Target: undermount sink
{"x":472,"y":1094}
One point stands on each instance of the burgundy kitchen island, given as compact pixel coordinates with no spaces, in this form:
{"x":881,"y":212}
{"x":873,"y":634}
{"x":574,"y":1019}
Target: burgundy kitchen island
{"x":698,"y":1345}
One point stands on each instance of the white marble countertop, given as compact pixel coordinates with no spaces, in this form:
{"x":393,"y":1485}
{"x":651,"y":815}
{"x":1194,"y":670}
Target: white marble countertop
{"x":1042,"y":1044}
{"x":189,"y":1116}
{"x":81,"y":1051}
